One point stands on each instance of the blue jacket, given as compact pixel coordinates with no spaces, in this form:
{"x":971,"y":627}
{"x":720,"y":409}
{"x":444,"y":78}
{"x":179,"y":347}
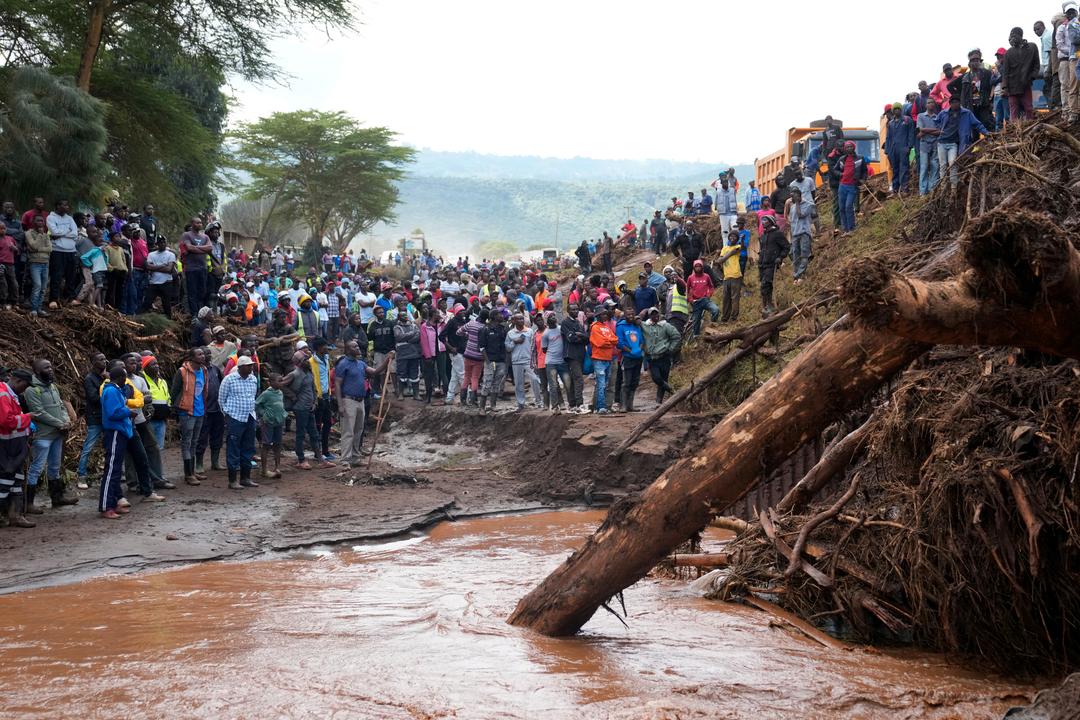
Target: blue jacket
{"x":644,"y":298}
{"x":901,"y":136}
{"x":704,"y":205}
{"x":114,"y":410}
{"x":968,"y":122}
{"x":629,"y":337}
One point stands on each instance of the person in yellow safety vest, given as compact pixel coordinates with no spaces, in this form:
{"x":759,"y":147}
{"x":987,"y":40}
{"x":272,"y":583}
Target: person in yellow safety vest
{"x":159,"y":398}
{"x":307,"y":319}
{"x":676,"y":304}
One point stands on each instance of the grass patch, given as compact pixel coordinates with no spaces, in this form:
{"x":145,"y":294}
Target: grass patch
{"x":155,"y":323}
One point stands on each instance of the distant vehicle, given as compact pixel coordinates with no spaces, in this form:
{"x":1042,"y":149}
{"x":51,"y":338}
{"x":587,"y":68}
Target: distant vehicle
{"x":387,"y":258}
{"x":549,"y":259}
{"x":514,"y":264}
{"x":801,"y":141}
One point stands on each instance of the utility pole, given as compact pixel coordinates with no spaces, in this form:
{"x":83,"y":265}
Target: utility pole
{"x":628,"y":209}
{"x":557,"y":231}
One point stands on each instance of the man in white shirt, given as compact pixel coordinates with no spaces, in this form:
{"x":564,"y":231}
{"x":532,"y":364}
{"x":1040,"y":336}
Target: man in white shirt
{"x":366,"y":300}
{"x":64,"y":271}
{"x":161,"y":264}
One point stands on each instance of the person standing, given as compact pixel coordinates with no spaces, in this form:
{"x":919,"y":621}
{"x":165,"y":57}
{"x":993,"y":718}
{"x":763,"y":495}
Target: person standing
{"x":519,"y":343}
{"x":117,"y":430}
{"x":270,"y":412}
{"x":1068,"y":58}
{"x":956,"y":126}
{"x":139,"y":473}
{"x":320,"y":365}
{"x":472,"y":331}
{"x":161,"y":265}
{"x":899,"y":140}
{"x":658,"y":233}
{"x":928,"y":160}
{"x":92,"y":383}
{"x":631,"y":347}
{"x":15,"y":428}
{"x":9,"y":286}
{"x":212,"y":428}
{"x":160,"y":399}
{"x":194,"y":248}
{"x":603,"y":341}
{"x":237,"y":399}
{"x":53,"y":421}
{"x":553,"y":348}
{"x":733,"y":274}
{"x":574,"y":338}
{"x":64,"y":270}
{"x":774,"y":248}
{"x":606,"y":249}
{"x":662,"y":341}
{"x":302,"y":384}
{"x":802,"y":219}
{"x":753,"y":198}
{"x":727,"y":205}
{"x":407,"y":348}
{"x":455,"y":348}
{"x":351,"y":376}
{"x":977,"y":89}
{"x":850,"y":170}
{"x":1018,"y":70}
{"x":188,"y":393}
{"x":39,"y":248}
{"x":699,"y":288}
{"x":381,"y":333}
{"x":492,"y":342}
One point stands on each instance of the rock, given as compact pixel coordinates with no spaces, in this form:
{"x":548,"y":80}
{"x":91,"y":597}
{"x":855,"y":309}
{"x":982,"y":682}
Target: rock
{"x":172,"y":536}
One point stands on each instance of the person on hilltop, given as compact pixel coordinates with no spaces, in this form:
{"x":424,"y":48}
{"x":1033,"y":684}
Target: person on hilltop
{"x":926,"y":128}
{"x":194,"y":248}
{"x":802,"y":221}
{"x":9,"y":286}
{"x":955,"y":128}
{"x":700,"y":287}
{"x":899,"y":140}
{"x":733,"y":277}
{"x":850,"y":170}
{"x":64,"y":273}
{"x":662,"y":341}
{"x":161,"y":266}
{"x":977,"y":89}
{"x":631,"y":347}
{"x":1018,"y":70}
{"x":727,"y":205}
{"x":1068,"y":58}
{"x":774,"y":248}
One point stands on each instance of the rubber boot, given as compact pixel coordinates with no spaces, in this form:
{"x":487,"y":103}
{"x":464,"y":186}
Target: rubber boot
{"x":198,"y":469}
{"x":245,"y":476}
{"x":233,"y":484}
{"x":59,"y":494}
{"x":399,"y":389}
{"x":189,"y":473}
{"x":483,"y":402}
{"x":628,"y":403}
{"x":215,"y":459}
{"x":14,"y":513}
{"x":491,"y":401}
{"x":31,"y":508}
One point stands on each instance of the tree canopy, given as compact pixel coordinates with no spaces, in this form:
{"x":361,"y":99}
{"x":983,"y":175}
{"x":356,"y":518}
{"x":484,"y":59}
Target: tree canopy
{"x":334,"y":175}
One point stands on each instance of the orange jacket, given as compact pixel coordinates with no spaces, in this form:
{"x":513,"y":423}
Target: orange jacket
{"x":603,"y":341}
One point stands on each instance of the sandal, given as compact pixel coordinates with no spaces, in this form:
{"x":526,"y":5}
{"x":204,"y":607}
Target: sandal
{"x":302,"y":465}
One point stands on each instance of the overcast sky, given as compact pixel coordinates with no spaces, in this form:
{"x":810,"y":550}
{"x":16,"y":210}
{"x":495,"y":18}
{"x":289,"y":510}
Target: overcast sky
{"x":709,"y":81}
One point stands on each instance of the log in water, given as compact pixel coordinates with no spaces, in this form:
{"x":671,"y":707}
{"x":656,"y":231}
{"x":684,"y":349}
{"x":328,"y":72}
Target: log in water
{"x":415,"y":628}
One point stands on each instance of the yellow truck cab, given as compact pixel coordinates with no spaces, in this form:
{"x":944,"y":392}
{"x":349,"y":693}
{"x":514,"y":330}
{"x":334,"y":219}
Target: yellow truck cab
{"x":802,"y":141}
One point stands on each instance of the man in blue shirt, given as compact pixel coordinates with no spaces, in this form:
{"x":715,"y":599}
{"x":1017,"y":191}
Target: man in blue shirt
{"x":644,"y":294}
{"x":926,"y":127}
{"x":629,"y":336}
{"x":753,"y":198}
{"x":954,"y":127}
{"x":350,"y":389}
{"x":899,"y":139}
{"x":705,"y":203}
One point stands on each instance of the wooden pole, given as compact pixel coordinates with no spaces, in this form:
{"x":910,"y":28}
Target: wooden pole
{"x":379,"y":418}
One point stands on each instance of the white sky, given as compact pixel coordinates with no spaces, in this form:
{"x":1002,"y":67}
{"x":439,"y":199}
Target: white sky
{"x":628,"y":79}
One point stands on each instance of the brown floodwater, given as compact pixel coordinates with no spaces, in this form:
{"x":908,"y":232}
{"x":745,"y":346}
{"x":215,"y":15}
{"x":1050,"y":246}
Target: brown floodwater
{"x":415,"y":629}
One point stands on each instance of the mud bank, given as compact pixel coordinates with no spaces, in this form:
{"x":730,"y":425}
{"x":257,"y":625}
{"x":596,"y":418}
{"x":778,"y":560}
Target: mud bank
{"x":463,"y":463}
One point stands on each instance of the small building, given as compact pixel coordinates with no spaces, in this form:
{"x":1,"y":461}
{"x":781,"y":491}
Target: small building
{"x":234,"y":239}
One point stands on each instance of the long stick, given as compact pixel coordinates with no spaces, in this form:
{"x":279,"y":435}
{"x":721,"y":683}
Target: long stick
{"x":379,"y":417}
{"x":804,"y":534}
{"x":834,"y":460}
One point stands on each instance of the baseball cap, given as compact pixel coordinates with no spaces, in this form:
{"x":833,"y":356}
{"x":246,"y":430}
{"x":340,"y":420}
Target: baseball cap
{"x":1000,"y":51}
{"x":217,"y":329}
{"x":244,"y":360}
{"x":301,"y":345}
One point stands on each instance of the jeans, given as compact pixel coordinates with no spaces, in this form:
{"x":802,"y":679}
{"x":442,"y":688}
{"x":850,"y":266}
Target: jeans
{"x":1001,"y":114}
{"x":241,"y":445}
{"x":305,"y":425}
{"x":847,"y":195}
{"x":158,"y":428}
{"x":324,"y":419}
{"x":928,"y":170}
{"x":351,"y":416}
{"x":946,"y":155}
{"x":575,"y":389}
{"x":93,"y":434}
{"x":45,"y":455}
{"x":195,"y":287}
{"x":63,"y":271}
{"x":521,"y":374}
{"x":554,"y":372}
{"x":494,"y":379}
{"x":700,"y":306}
{"x":133,"y":292}
{"x":801,"y":250}
{"x":601,"y":371}
{"x":211,"y":433}
{"x":659,"y":371}
{"x":190,"y":427}
{"x":39,"y":277}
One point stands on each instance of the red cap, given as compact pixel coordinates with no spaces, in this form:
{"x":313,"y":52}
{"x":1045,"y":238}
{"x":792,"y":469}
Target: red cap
{"x":1000,"y":51}
{"x":553,"y":284}
{"x":888,"y":107}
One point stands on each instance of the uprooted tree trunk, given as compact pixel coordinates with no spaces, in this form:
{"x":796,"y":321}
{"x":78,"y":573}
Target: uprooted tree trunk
{"x":1021,"y":289}
{"x":829,"y":378}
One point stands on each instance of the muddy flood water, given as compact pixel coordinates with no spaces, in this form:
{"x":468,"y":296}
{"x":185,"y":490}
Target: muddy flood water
{"x":415,"y":628}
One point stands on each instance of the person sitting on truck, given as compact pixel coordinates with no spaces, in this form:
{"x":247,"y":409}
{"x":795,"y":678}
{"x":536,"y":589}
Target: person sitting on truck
{"x":832,"y":137}
{"x":690,"y":206}
{"x":753,"y":198}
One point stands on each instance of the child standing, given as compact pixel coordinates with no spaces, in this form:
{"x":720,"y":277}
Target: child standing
{"x":270,"y":411}
{"x":9,"y":288}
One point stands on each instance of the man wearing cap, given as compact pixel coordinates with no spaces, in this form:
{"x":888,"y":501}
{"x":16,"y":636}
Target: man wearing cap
{"x":899,"y":140}
{"x":236,"y":397}
{"x":645,"y":296}
{"x":774,"y":248}
{"x":977,"y":89}
{"x":1067,"y":54}
{"x":662,"y":341}
{"x":658,"y":233}
{"x":455,"y":347}
{"x":940,"y":91}
{"x":727,"y":205}
{"x":1018,"y":70}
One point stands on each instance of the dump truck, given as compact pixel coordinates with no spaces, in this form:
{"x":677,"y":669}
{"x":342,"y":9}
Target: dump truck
{"x":801,"y":141}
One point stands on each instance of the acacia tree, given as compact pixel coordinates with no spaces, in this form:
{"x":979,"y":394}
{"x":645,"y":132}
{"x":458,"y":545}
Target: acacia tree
{"x":325,"y":169}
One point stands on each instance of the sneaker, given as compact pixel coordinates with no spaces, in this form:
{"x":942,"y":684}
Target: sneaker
{"x":53,"y":305}
{"x":602,"y":411}
{"x":164,"y":485}
{"x":34,"y":313}
{"x":123,"y":503}
{"x":110,"y":515}
{"x":234,"y":485}
{"x":153,"y":497}
{"x":82,"y":484}
{"x":520,"y":408}
{"x":617,"y":407}
{"x":42,"y":313}
{"x":329,"y":456}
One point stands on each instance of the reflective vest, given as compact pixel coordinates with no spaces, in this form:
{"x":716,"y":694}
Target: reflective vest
{"x":679,"y":303}
{"x":159,"y":390}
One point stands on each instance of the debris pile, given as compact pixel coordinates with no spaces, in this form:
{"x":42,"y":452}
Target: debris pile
{"x":956,"y":523}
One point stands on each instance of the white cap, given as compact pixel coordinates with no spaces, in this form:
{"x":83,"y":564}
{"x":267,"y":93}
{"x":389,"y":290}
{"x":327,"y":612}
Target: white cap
{"x":244,"y":360}
{"x":1067,"y":6}
{"x":301,"y":345}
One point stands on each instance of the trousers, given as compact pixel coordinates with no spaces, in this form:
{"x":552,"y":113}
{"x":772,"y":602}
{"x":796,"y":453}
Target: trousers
{"x":240,"y":448}
{"x":457,"y":376}
{"x":351,"y":417}
{"x":494,"y":379}
{"x":112,"y":476}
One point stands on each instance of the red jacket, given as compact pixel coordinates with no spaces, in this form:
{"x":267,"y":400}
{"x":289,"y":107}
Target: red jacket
{"x":603,"y":341}
{"x":13,"y":421}
{"x":699,"y":286}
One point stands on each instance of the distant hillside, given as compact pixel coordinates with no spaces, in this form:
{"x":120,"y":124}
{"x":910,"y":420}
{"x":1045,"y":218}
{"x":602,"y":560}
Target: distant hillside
{"x":588,"y":196}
